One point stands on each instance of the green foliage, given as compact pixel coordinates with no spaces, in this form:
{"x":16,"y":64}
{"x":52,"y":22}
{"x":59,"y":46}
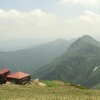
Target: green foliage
{"x":97,"y":87}
{"x":80,"y":87}
{"x":52,"y":83}
{"x":77,"y":65}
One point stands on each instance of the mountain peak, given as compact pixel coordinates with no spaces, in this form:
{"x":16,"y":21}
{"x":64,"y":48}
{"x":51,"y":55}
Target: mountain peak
{"x":82,"y":43}
{"x":89,"y":39}
{"x":86,"y":36}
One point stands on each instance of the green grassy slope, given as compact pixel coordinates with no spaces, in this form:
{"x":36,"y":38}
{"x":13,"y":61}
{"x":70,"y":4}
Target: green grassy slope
{"x":56,"y":90}
{"x":97,"y":87}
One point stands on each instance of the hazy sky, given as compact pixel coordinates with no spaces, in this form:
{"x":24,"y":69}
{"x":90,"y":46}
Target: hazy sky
{"x":49,"y":19}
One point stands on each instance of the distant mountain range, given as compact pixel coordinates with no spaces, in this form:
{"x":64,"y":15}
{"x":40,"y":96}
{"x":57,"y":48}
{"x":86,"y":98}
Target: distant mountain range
{"x":18,"y":44}
{"x":80,"y":64}
{"x":29,"y":60}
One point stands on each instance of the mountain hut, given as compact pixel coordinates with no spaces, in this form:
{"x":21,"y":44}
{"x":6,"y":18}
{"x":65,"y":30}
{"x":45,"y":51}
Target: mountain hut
{"x":3,"y":73}
{"x":19,"y":78}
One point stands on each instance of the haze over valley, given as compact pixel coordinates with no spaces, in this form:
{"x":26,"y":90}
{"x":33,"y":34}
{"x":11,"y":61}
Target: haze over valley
{"x":32,"y":58}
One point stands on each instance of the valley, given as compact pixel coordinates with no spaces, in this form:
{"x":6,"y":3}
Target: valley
{"x":31,"y":59}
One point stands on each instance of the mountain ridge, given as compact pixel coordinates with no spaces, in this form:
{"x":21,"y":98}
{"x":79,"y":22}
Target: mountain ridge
{"x":76,"y":65}
{"x":28,"y":60}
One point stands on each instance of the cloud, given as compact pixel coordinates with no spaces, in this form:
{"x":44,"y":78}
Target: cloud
{"x":87,"y":23}
{"x":88,"y":17}
{"x":18,"y":24}
{"x":37,"y":17}
{"x":40,"y":24}
{"x":84,"y":3}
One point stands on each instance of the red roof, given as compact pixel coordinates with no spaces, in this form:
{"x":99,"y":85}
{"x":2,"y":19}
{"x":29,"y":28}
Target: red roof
{"x":18,"y":75}
{"x":2,"y":71}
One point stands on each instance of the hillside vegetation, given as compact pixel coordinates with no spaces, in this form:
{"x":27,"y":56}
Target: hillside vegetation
{"x":79,"y":65}
{"x":55,"y":90}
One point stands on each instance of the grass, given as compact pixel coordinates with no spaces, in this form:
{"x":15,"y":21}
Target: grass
{"x":77,"y":86}
{"x":52,"y":83}
{"x":97,"y":87}
{"x":54,"y":91}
